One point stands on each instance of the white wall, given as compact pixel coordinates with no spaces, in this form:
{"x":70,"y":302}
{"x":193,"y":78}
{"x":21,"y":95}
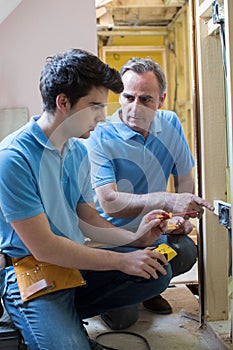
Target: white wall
{"x":33,"y":31}
{"x":6,"y":7}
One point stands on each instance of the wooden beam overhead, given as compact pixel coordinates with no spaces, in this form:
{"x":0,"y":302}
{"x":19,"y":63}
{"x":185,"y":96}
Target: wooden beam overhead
{"x":138,"y":13}
{"x":128,"y":4}
{"x":131,"y":33}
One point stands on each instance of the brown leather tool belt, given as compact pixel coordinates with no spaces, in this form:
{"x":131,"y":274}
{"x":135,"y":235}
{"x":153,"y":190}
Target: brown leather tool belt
{"x":36,"y":278}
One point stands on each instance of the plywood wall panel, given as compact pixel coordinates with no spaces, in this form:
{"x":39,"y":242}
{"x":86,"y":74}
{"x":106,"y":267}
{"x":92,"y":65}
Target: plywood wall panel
{"x":213,"y":169}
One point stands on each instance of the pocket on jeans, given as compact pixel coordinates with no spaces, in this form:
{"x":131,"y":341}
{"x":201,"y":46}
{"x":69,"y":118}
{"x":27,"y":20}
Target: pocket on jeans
{"x":10,"y":282}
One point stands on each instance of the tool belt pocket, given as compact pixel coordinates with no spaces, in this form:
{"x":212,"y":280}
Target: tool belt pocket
{"x":37,"y":278}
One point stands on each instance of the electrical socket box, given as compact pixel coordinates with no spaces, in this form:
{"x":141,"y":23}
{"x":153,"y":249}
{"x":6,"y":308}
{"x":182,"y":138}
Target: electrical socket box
{"x":217,"y":12}
{"x":223,"y":210}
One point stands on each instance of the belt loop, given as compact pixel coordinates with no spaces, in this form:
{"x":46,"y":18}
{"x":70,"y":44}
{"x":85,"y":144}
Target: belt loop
{"x":2,"y":261}
{"x":5,"y":260}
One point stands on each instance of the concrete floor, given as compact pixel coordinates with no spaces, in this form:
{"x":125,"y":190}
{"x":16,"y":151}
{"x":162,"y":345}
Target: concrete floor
{"x":179,"y":330}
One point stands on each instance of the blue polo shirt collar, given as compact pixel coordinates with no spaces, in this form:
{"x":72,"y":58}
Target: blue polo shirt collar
{"x":127,"y":133}
{"x":42,"y":138}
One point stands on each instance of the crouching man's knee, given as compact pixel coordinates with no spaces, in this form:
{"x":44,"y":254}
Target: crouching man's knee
{"x":123,"y":317}
{"x":186,"y":253}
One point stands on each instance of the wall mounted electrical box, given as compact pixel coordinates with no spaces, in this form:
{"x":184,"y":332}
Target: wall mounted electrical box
{"x":223,"y":211}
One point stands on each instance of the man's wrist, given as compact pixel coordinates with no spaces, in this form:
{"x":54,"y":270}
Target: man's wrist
{"x":169,"y":201}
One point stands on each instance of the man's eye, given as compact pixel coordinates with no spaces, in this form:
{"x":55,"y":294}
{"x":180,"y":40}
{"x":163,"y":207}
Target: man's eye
{"x":146,"y":99}
{"x":97,"y":107}
{"x":129,"y":98}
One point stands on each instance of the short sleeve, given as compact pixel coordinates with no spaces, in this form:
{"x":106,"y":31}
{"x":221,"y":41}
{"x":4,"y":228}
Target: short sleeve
{"x":19,"y":197}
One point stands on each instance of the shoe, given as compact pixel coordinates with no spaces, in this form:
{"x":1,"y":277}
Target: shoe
{"x":158,"y":305}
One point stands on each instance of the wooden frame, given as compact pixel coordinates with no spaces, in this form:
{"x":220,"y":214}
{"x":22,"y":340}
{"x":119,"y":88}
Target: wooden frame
{"x":213,"y":161}
{"x":148,"y":48}
{"x":228,"y":8}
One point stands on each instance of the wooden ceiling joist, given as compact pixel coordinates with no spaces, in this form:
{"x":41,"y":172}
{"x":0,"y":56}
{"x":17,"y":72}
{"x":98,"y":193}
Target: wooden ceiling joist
{"x":137,"y":13}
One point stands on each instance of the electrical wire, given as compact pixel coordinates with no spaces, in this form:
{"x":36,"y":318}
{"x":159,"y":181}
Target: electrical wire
{"x":223,"y":44}
{"x":121,"y":332}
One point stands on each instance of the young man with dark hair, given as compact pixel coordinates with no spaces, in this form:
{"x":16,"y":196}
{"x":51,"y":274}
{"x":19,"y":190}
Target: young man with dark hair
{"x":47,"y":210}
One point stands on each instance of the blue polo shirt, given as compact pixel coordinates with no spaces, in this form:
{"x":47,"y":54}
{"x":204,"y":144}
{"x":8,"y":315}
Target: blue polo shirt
{"x":36,"y":178}
{"x":121,"y":155}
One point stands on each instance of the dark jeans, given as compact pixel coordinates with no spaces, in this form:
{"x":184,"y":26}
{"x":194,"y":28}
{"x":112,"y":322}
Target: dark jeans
{"x":53,"y":321}
{"x":181,"y":263}
{"x":186,"y":253}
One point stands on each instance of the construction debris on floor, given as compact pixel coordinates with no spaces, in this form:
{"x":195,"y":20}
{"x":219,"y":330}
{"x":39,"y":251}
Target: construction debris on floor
{"x":179,"y":330}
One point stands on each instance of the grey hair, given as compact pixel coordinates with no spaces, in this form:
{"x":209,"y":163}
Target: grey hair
{"x":144,"y":65}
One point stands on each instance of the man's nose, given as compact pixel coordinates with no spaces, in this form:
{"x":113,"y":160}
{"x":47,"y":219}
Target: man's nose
{"x":100,"y":116}
{"x":135,"y":104}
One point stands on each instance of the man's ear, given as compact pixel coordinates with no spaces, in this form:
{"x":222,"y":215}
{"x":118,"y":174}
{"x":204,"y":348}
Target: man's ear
{"x":162,"y":99}
{"x":62,"y":103}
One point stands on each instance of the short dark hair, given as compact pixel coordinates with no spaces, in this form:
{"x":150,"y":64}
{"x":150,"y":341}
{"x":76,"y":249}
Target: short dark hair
{"x":144,"y":65}
{"x":75,"y":73}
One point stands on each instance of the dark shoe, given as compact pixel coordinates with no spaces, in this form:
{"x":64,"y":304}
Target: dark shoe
{"x":121,"y":318}
{"x":158,"y":305}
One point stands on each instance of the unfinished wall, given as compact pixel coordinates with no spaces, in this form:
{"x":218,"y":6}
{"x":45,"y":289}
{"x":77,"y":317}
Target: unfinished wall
{"x":179,"y":63}
{"x":213,"y":158}
{"x":33,"y":31}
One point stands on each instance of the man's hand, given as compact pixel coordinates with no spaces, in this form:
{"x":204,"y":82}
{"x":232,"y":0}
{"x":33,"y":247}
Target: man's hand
{"x":143,"y":263}
{"x":186,"y":202}
{"x":150,"y":229}
{"x":179,"y":226}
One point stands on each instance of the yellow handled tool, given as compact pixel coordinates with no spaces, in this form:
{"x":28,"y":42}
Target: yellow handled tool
{"x":167,"y":251}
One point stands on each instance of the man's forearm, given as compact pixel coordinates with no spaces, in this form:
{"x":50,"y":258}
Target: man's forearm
{"x":104,"y":232}
{"x":131,"y":205}
{"x":126,"y":205}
